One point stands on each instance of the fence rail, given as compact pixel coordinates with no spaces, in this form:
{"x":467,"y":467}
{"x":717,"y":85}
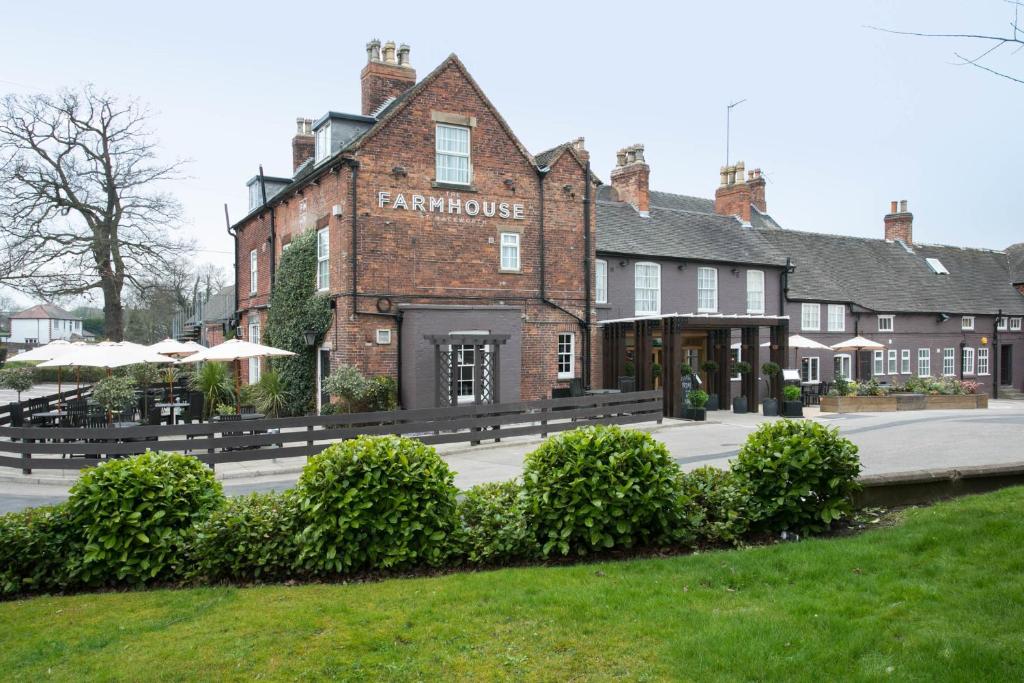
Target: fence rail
{"x":239,"y":440}
{"x":52,"y":400}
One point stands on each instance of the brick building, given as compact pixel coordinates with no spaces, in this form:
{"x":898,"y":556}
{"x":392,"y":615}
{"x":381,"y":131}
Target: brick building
{"x":456,"y":261}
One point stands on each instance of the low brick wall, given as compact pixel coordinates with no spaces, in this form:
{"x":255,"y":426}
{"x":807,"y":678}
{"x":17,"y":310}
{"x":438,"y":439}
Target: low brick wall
{"x":895,"y":402}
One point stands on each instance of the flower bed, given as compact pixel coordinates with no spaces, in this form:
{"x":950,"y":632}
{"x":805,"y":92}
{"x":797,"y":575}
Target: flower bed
{"x":895,"y":402}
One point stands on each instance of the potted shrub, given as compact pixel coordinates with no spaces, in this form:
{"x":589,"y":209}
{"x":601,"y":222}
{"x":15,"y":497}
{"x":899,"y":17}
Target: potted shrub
{"x":710,"y":367}
{"x":770,"y":405}
{"x":739,"y":403}
{"x":698,"y":398}
{"x":792,"y":405}
{"x":656,"y":374}
{"x":116,"y":394}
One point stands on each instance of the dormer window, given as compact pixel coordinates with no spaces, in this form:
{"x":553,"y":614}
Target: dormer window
{"x":323,"y":143}
{"x":452,"y":154}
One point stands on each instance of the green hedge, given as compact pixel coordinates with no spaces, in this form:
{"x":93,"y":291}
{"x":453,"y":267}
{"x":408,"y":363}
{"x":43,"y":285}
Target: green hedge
{"x":494,"y":528}
{"x":375,"y":503}
{"x":717,"y":505}
{"x":600,"y":488}
{"x":35,"y":546}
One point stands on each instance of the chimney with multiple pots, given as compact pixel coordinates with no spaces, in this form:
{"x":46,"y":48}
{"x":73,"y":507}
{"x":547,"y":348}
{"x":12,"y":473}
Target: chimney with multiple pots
{"x":387,"y":74}
{"x":899,"y":223}
{"x":631,"y":178}
{"x":736,"y":194}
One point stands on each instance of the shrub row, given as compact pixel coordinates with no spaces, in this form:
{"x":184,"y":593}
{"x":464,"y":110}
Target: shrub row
{"x":388,"y":503}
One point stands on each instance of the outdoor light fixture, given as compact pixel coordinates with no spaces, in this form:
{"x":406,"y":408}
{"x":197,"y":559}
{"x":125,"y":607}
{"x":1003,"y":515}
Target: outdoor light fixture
{"x":310,"y":337}
{"x":943,"y":317}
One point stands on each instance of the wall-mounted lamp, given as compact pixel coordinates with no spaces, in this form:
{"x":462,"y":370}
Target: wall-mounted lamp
{"x":309,"y":336}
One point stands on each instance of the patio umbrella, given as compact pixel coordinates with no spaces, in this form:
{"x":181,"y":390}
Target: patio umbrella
{"x":54,"y":349}
{"x":798,"y":341}
{"x":857,"y":344}
{"x":177,"y":349}
{"x":106,"y":355}
{"x":235,"y":350}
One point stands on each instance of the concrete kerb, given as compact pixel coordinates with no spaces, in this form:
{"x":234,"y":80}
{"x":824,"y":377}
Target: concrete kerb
{"x":916,"y":487}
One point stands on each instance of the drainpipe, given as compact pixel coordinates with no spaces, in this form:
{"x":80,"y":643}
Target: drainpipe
{"x":273,"y":231}
{"x":784,"y":284}
{"x":586,"y":275}
{"x":542,"y":173}
{"x":234,"y":235}
{"x":354,"y":165}
{"x":994,"y":354}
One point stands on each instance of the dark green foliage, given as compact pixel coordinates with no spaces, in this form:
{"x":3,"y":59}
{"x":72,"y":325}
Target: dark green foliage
{"x":655,"y":370}
{"x":698,"y":398}
{"x":685,"y":369}
{"x":41,"y":375}
{"x":709,"y":366}
{"x":214,"y":382}
{"x":791,"y":392}
{"x":770,"y":371}
{"x":251,"y":538}
{"x":295,"y":306}
{"x":269,"y":395}
{"x":381,"y":394}
{"x":741,"y":368}
{"x":34,"y":549}
{"x":115,"y":393}
{"x":375,"y":502}
{"x":494,"y":528}
{"x":802,"y":475}
{"x":16,"y":379}
{"x":134,"y":515}
{"x":599,"y":488}
{"x":716,"y":504}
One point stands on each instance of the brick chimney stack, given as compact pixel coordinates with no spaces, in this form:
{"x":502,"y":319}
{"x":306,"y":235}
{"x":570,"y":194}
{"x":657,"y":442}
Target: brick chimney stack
{"x":631,"y":178}
{"x":899,"y":223}
{"x":385,"y":74}
{"x":735,"y":193}
{"x":303,"y":144}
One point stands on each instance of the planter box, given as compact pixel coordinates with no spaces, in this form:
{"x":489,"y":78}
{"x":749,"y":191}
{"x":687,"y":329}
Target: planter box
{"x":895,"y":402}
{"x":712,"y":403}
{"x":739,"y":404}
{"x":792,"y":409}
{"x":770,"y":407}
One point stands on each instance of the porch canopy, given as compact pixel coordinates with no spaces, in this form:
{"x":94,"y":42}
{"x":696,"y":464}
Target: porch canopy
{"x":636,"y":337}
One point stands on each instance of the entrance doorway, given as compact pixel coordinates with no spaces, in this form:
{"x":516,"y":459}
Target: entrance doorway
{"x":1006,"y":365}
{"x":323,"y":369}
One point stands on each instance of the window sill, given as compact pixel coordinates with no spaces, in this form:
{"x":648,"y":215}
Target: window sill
{"x":565,"y":377}
{"x":453,"y":186}
{"x":515,"y":271}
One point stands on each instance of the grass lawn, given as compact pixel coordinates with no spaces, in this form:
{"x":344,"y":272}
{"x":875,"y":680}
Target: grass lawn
{"x":938,"y":597}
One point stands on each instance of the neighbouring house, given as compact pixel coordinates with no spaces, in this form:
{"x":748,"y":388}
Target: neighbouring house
{"x":206,"y":321}
{"x":44,"y":323}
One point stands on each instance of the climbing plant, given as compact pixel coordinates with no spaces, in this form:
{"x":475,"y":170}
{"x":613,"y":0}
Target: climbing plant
{"x":295,"y":307}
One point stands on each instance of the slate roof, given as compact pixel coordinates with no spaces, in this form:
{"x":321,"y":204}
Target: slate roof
{"x":871,"y":273}
{"x":44,"y":312}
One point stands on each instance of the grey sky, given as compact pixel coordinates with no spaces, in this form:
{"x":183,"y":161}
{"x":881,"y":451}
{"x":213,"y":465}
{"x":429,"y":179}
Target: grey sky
{"x":841,"y":119}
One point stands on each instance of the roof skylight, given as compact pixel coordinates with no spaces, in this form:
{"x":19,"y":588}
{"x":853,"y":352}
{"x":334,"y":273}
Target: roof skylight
{"x":936,"y":266}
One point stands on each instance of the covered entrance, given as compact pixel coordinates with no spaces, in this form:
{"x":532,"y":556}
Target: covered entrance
{"x":630,"y":343}
{"x":1006,"y":365}
{"x":466,"y":367}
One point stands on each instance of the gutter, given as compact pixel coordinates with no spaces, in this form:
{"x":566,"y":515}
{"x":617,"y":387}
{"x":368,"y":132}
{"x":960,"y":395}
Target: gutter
{"x":233,"y":231}
{"x":586,"y":275}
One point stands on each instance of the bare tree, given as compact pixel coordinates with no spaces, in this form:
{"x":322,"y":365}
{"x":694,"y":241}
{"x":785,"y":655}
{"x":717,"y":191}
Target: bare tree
{"x":81,"y":209}
{"x":994,"y":45}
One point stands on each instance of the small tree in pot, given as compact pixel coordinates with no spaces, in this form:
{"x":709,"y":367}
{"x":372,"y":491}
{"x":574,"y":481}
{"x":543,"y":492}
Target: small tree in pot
{"x":16,"y":379}
{"x":770,"y":405}
{"x":739,"y":403}
{"x":699,"y":399}
{"x":710,"y":368}
{"x":656,"y":374}
{"x":792,"y":405}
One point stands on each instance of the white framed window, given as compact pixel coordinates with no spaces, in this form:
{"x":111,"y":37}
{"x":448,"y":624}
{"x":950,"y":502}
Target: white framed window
{"x":836,"y":318}
{"x":465,"y":368}
{"x":736,"y":355}
{"x":949,"y":362}
{"x":254,"y":363}
{"x":601,"y":281}
{"x":893,"y":368}
{"x":983,"y":360}
{"x":878,"y":366}
{"x":810,"y":317}
{"x":904,"y":361}
{"x":755,"y":291}
{"x":967,"y":322}
{"x":1002,"y":324}
{"x":383,"y":336}
{"x":323,"y":259}
{"x":1015,"y":324}
{"x":254,"y":270}
{"x":647,"y":285}
{"x":707,"y":290}
{"x":566,"y":355}
{"x":510,"y":251}
{"x":810,"y":370}
{"x":322,"y":143}
{"x":452,"y":158}
{"x":967,"y":360}
{"x":843,"y":366}
{"x":885,"y":323}
{"x":924,"y":362}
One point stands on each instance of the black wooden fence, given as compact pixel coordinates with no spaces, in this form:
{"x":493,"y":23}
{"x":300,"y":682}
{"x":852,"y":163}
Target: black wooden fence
{"x":261,"y":439}
{"x":51,"y":401}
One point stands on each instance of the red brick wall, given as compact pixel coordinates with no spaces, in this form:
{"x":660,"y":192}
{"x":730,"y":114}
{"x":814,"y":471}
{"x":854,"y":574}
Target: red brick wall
{"x":899,"y":226}
{"x":381,"y":82}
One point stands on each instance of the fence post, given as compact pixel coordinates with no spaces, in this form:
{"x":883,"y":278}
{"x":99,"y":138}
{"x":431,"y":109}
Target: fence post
{"x":543,"y":423}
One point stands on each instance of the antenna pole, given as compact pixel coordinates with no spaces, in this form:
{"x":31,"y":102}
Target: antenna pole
{"x":728,"y":113}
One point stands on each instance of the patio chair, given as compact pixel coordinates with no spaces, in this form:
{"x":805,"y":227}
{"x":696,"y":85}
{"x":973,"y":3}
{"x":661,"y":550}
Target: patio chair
{"x":247,"y":410}
{"x":194,"y":411}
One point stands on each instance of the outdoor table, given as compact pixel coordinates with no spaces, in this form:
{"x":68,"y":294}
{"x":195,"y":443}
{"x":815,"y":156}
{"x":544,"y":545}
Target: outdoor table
{"x":50,"y":415}
{"x":595,"y":392}
{"x":245,"y":416}
{"x":173,"y":408}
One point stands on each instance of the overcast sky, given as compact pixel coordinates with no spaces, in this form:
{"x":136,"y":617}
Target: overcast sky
{"x":841,"y":119}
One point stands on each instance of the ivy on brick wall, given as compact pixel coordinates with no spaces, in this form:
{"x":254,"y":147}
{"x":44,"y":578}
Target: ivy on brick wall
{"x":295,"y":306}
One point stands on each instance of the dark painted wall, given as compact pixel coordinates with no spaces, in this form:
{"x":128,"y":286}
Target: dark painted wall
{"x":418,"y":371}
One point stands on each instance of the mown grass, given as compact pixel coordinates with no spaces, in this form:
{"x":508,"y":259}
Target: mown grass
{"x":940,"y":596}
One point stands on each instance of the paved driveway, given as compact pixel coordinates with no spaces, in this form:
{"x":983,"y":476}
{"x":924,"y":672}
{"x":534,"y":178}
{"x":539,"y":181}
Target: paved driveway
{"x":889,"y":442}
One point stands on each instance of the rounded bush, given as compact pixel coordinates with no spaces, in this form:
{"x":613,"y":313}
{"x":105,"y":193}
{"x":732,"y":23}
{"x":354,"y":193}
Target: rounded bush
{"x":375,"y":502}
{"x":494,"y":528}
{"x":34,"y":549}
{"x":802,"y":475}
{"x":250,"y":538}
{"x":716,"y":505}
{"x":599,"y":488}
{"x":135,"y":514}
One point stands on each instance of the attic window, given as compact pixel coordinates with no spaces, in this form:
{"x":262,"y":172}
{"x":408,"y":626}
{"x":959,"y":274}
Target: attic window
{"x":936,"y":266}
{"x":323,"y":142}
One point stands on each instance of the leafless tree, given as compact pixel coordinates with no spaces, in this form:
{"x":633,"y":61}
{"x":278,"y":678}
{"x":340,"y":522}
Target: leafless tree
{"x":994,"y":45}
{"x":81,"y":204}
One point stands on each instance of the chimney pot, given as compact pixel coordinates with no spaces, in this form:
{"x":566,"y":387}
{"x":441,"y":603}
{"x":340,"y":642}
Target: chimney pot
{"x":620,"y":158}
{"x":384,"y":78}
{"x":899,"y":223}
{"x":403,"y":55}
{"x":723,"y":174}
{"x":389,"y":52}
{"x":903,"y":206}
{"x":638,"y":154}
{"x":631,"y":178}
{"x":730,"y":175}
{"x":740,"y":172}
{"x":578,"y":144}
{"x":373,"y":51}
{"x":736,"y":194}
